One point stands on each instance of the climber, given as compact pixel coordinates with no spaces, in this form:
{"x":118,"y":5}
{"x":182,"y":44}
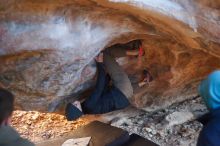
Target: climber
{"x":113,"y":89}
{"x":8,"y":136}
{"x":209,"y":90}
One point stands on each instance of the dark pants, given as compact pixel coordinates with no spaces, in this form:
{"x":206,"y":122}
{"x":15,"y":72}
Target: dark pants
{"x":106,"y":97}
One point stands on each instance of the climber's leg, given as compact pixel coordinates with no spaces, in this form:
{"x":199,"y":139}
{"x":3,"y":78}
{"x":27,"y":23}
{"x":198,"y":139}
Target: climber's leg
{"x":117,"y":74}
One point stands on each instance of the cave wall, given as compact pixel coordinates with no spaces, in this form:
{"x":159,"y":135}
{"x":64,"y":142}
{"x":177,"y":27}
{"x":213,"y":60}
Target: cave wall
{"x":47,"y":47}
{"x":177,"y":72}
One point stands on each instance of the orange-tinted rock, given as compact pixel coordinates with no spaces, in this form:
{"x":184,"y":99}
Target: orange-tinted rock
{"x":45,"y":45}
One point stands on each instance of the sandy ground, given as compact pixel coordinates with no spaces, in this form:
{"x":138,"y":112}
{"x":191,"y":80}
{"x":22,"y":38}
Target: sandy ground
{"x":174,"y":126}
{"x":37,"y":126}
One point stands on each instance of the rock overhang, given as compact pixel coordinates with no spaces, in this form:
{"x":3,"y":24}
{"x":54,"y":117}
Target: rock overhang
{"x":46,"y":45}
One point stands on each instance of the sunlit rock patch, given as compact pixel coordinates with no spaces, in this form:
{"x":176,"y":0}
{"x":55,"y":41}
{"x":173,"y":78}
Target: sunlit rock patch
{"x":38,"y":127}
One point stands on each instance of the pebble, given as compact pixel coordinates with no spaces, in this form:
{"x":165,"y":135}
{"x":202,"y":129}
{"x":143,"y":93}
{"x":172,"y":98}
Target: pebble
{"x":154,"y":132}
{"x":147,"y":129}
{"x":140,"y":122}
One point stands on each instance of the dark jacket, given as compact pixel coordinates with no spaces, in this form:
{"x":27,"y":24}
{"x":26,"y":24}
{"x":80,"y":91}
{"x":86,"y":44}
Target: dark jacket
{"x":9,"y":137}
{"x":105,"y":98}
{"x":210,"y":134}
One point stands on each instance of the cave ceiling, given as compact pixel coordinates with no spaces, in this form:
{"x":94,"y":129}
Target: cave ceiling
{"x":47,"y":47}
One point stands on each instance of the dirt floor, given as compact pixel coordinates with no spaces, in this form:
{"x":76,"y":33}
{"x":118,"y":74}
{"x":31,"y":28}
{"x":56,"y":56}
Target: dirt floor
{"x":38,"y":127}
{"x":173,"y":126}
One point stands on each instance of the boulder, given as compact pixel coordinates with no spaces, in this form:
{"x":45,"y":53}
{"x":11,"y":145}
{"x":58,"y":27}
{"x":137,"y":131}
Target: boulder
{"x":47,"y":48}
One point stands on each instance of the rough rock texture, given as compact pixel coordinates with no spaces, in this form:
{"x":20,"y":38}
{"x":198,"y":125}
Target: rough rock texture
{"x":156,"y":127}
{"x":47,"y":47}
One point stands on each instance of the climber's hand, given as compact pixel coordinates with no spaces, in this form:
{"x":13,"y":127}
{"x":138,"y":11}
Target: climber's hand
{"x":99,"y":58}
{"x":132,"y":52}
{"x":78,"y":105}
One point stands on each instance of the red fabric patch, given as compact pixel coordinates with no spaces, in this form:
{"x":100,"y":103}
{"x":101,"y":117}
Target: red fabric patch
{"x":141,"y":51}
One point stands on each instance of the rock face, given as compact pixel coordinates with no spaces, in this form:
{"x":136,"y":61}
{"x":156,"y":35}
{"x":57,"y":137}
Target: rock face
{"x":47,"y":47}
